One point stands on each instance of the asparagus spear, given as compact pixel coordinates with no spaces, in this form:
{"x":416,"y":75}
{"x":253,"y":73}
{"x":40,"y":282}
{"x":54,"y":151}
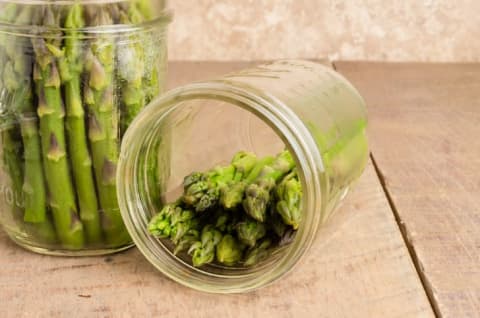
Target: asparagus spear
{"x":17,"y":78}
{"x":11,"y":140}
{"x":232,"y":195}
{"x":289,"y":193}
{"x":222,"y":221}
{"x":258,"y":253}
{"x":145,"y":9}
{"x":71,"y":71}
{"x":103,"y":127}
{"x":131,"y":60}
{"x":12,"y":150}
{"x":190,"y":237}
{"x":154,"y":76}
{"x":172,"y":222}
{"x":257,"y":194}
{"x":203,"y":251}
{"x":155,"y":52}
{"x":51,"y":114}
{"x":229,"y":251}
{"x":203,"y":190}
{"x":250,"y":231}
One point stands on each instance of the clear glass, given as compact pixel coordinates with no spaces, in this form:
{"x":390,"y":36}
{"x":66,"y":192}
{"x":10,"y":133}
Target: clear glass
{"x":73,"y":75}
{"x":303,"y":106}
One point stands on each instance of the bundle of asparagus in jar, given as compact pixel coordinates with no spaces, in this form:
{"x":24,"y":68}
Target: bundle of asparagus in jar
{"x":73,"y":76}
{"x":234,"y":215}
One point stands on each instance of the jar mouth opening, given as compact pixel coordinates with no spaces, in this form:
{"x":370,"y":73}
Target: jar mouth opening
{"x":288,"y":127}
{"x":34,"y":31}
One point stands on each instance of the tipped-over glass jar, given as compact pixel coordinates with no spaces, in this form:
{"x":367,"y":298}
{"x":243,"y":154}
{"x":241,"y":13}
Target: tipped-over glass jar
{"x":301,"y":106}
{"x":73,"y":75}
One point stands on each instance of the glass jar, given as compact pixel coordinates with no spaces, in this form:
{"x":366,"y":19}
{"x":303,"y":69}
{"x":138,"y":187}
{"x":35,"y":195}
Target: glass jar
{"x":73,"y":75}
{"x":305,"y":107}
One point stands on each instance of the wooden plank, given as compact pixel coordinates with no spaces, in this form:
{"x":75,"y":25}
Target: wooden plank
{"x":360,"y":267}
{"x":425,"y":128}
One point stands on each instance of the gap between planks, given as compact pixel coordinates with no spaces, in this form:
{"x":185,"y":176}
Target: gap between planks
{"x":410,"y":246}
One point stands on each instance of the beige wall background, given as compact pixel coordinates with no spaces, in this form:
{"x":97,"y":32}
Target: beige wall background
{"x":392,"y":30}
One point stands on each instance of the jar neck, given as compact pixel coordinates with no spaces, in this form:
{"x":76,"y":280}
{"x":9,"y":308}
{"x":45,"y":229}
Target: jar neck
{"x":136,"y":209}
{"x":160,"y":17}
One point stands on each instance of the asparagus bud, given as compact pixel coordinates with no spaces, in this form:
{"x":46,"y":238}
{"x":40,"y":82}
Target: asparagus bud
{"x":229,"y":251}
{"x":258,"y":253}
{"x":192,"y":236}
{"x":202,"y":191}
{"x":289,"y":193}
{"x":160,"y":224}
{"x":257,"y":194}
{"x":203,"y":251}
{"x":244,"y":163}
{"x":172,"y":222}
{"x":250,"y":231}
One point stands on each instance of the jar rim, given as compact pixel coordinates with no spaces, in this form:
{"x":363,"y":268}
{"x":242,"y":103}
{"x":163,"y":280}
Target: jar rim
{"x":296,"y":137}
{"x":164,"y":18}
{"x":62,"y":2}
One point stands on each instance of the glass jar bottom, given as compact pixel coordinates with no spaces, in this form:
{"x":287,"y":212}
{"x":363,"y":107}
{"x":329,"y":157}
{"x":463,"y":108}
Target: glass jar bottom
{"x":68,"y":252}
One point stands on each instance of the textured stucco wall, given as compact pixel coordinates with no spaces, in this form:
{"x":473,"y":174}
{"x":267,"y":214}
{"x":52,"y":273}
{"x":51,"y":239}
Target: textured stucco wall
{"x":394,"y":30}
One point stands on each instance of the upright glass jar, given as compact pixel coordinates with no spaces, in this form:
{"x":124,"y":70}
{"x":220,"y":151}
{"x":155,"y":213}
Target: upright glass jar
{"x":73,"y":75}
{"x":305,"y":107}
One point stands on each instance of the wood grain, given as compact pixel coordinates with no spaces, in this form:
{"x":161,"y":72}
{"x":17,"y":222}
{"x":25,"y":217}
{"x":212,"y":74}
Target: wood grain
{"x":425,"y":128}
{"x":361,"y":270}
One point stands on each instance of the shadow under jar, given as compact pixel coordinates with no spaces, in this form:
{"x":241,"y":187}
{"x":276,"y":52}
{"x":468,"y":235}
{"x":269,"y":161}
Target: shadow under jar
{"x":73,"y":75}
{"x":301,"y":106}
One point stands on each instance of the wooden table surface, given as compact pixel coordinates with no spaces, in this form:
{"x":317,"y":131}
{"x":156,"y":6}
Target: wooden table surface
{"x":410,"y":245}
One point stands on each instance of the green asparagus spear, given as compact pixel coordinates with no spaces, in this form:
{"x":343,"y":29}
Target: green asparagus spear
{"x":258,"y":253}
{"x":155,"y":52}
{"x":232,"y":195}
{"x":103,"y":126}
{"x":257,"y":194}
{"x":160,"y":224}
{"x":203,"y":251}
{"x":203,"y":190}
{"x":12,"y":150}
{"x":289,"y":194}
{"x":71,"y":73}
{"x":192,"y":236}
{"x":145,"y":9}
{"x":17,"y":77}
{"x":131,"y":61}
{"x":229,"y":251}
{"x":33,"y":182}
{"x":275,"y":222}
{"x":222,"y":222}
{"x":173,"y":222}
{"x":51,"y":114}
{"x":243,"y":162}
{"x":250,"y":231}
{"x":11,"y":139}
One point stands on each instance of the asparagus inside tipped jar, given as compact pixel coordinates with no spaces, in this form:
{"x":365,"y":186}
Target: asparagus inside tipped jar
{"x":73,"y":75}
{"x":236,"y":214}
{"x":225,"y":184}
